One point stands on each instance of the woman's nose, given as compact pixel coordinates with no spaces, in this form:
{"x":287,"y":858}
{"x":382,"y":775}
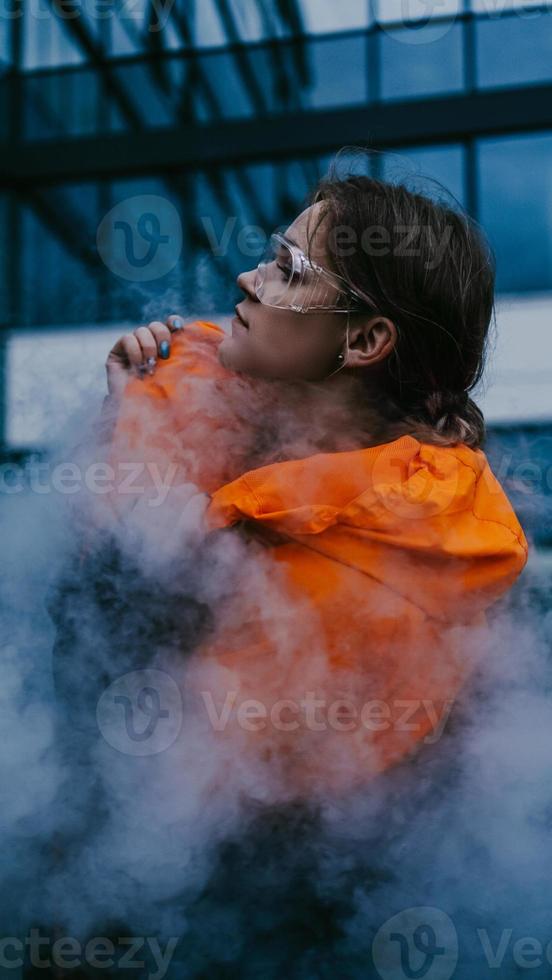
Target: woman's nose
{"x":246,"y":281}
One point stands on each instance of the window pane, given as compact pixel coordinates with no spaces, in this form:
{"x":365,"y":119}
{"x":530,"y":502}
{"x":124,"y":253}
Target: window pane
{"x":530,"y":41}
{"x":5,"y":44}
{"x":404,"y":11}
{"x":315,"y":74}
{"x":61,"y":104}
{"x":430,"y":66}
{"x":46,"y":41}
{"x":516,"y":209}
{"x":496,"y":7}
{"x":253,"y":22}
{"x":124,"y":37}
{"x":320,"y":18}
{"x":442,"y":163}
{"x":60,"y":286}
{"x":208,"y":25}
{"x":230,"y":95}
{"x":294,"y":180}
{"x":143,"y":90}
{"x":130,"y":27}
{"x":339,"y":74}
{"x":170,"y":38}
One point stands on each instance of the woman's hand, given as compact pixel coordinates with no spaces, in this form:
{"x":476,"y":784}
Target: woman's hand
{"x":136,"y":353}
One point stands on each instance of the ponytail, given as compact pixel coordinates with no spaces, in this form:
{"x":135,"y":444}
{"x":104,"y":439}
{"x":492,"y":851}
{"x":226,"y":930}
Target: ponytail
{"x":455,"y":417}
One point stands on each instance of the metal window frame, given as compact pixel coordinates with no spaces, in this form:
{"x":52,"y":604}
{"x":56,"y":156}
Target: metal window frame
{"x":296,"y":135}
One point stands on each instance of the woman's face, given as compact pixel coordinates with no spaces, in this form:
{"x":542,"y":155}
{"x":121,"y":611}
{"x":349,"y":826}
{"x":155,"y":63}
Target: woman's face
{"x":281,"y":343}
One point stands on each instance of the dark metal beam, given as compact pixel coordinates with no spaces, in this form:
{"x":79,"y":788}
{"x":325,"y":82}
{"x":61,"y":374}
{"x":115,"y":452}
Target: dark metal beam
{"x":90,"y":46}
{"x":189,"y":146}
{"x":241,"y":60}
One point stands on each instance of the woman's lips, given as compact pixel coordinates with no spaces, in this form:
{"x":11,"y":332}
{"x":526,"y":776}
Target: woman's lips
{"x":237,"y":322}
{"x":240,"y":318}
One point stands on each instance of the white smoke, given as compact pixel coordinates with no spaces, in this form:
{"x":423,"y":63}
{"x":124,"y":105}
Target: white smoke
{"x":199,"y":840}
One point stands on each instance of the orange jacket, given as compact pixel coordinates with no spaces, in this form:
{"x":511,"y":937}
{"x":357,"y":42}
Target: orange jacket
{"x":355,"y":627}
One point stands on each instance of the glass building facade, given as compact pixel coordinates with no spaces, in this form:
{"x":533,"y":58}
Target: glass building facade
{"x":190,"y":100}
{"x":219,"y":115}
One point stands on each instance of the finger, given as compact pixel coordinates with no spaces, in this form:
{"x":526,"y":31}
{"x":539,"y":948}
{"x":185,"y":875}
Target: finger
{"x":159,"y":330}
{"x":162,"y":336}
{"x":132,"y":350}
{"x":148,"y":343}
{"x":175,"y":322}
{"x":118,"y":349}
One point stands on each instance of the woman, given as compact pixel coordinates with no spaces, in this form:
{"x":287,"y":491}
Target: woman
{"x":329,"y":451}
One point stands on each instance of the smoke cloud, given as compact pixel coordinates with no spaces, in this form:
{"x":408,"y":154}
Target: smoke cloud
{"x":135,"y":821}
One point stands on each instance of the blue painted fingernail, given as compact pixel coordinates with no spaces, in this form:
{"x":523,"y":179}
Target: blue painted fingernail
{"x":164,"y":349}
{"x":177,"y":323}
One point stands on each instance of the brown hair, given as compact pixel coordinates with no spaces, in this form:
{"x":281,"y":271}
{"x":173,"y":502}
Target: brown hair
{"x":441,"y":299}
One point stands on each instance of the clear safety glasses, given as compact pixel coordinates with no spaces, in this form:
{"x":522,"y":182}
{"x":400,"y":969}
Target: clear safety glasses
{"x":289,"y":280}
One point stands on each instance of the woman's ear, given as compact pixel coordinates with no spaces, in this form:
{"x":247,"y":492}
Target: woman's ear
{"x":370,"y":341}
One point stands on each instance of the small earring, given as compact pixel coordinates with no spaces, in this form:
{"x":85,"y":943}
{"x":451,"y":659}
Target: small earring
{"x":340,"y":363}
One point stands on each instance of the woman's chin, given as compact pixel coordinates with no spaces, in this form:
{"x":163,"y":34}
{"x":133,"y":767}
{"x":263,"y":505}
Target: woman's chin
{"x":228,"y":353}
